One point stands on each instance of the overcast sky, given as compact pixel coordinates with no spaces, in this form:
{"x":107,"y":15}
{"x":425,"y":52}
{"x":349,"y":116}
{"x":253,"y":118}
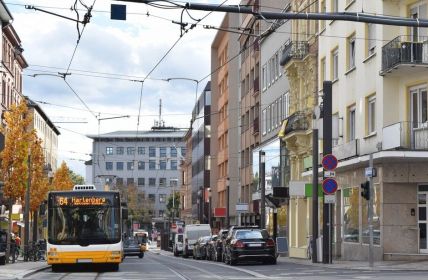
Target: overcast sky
{"x":120,"y":50}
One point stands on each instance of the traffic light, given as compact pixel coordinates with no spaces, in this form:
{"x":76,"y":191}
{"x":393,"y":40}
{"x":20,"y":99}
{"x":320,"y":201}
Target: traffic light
{"x":365,"y":190}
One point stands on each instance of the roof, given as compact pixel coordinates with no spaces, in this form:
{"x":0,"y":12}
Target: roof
{"x":32,"y":104}
{"x":5,"y":14}
{"x":175,"y":133}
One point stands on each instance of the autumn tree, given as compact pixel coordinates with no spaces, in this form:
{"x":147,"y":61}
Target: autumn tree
{"x":62,"y":180}
{"x":14,"y":165}
{"x":76,"y":178}
{"x":39,"y":181}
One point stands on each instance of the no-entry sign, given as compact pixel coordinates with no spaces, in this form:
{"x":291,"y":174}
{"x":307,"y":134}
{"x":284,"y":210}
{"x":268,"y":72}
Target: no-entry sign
{"x":329,"y":186}
{"x":329,"y":162}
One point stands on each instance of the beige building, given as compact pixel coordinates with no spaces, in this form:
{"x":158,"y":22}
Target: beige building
{"x":380,"y":85}
{"x":299,"y":59}
{"x":224,"y":124}
{"x":186,"y":181}
{"x":47,"y":132}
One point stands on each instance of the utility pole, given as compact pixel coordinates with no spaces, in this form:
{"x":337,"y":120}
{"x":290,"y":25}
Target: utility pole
{"x":228,"y":202}
{"x":262,"y":157}
{"x":370,"y":211}
{"x":327,"y":149}
{"x":314,"y":194}
{"x":27,"y":210}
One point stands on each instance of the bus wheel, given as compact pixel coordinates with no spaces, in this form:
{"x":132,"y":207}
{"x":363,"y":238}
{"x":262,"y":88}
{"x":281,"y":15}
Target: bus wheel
{"x":56,"y":268}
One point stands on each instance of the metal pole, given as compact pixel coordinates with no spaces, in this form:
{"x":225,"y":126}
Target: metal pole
{"x":262,"y":189}
{"x":314,"y":194}
{"x":370,"y":213}
{"x":27,"y":211}
{"x":228,"y":204}
{"x":327,"y":149}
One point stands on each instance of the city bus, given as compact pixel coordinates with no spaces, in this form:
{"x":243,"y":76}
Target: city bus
{"x":142,"y":236}
{"x":85,"y":227}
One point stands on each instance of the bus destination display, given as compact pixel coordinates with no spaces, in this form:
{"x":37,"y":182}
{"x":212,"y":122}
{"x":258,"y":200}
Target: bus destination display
{"x":81,"y":201}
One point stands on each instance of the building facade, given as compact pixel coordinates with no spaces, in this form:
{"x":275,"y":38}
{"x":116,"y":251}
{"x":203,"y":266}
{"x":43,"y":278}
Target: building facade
{"x":224,"y":124}
{"x":148,"y":160}
{"x":186,"y":182}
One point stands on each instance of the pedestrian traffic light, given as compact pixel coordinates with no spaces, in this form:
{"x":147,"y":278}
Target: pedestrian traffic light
{"x":365,"y":190}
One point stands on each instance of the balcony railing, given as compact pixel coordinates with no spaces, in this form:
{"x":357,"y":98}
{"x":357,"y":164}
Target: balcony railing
{"x":405,"y":135}
{"x":296,"y":122}
{"x":404,"y":50}
{"x":294,"y":50}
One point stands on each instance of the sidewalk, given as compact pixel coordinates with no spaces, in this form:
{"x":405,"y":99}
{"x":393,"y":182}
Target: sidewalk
{"x":21,"y":269}
{"x":363,"y":265}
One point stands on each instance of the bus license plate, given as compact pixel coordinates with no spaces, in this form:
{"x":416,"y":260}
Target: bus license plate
{"x":84,"y":260}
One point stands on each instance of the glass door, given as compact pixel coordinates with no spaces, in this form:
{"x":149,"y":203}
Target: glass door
{"x":422,"y":217}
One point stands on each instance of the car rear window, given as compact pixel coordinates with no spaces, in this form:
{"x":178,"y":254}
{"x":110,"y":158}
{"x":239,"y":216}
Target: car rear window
{"x":180,"y":238}
{"x":251,"y":234}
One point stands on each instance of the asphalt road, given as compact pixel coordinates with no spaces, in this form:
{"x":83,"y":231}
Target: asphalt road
{"x":164,"y":266}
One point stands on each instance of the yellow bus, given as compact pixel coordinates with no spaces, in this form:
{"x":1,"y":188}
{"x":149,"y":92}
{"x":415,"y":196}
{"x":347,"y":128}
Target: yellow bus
{"x":84,"y":226}
{"x":142,"y":237}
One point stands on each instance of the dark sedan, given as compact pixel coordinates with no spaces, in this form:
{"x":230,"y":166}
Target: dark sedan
{"x":200,"y":247}
{"x":218,"y":245}
{"x":249,"y":244}
{"x":131,"y":247}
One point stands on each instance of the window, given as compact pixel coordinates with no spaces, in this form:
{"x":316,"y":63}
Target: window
{"x":161,"y":213}
{"x":334,"y":6}
{"x":109,"y":150}
{"x":141,"y":150}
{"x":419,"y":106}
{"x":371,"y":114}
{"x":141,"y":165}
{"x":173,"y":152}
{"x":162,"y":182}
{"x":162,"y":151}
{"x":351,"y":123}
{"x":152,"y":151}
{"x":119,"y":181}
{"x":351,"y":51}
{"x":264,"y":121}
{"x":269,"y":118}
{"x":130,"y":181}
{"x":162,"y":164}
{"x":152,"y":182}
{"x":286,"y":105}
{"x":322,"y":72}
{"x":119,"y":165}
{"x":109,"y":165}
{"x":130,"y":150}
{"x":371,"y":39}
{"x":141,"y":181}
{"x":264,"y":77}
{"x":335,"y":64}
{"x":351,"y":229}
{"x":152,"y":164}
{"x":173,"y":165}
{"x":162,"y":198}
{"x":152,"y":197}
{"x":273,"y":116}
{"x":130,"y":165}
{"x":119,"y":150}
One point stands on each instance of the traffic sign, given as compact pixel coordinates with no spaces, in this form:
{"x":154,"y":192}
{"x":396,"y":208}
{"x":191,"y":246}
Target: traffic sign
{"x":330,"y":198}
{"x":329,"y":174}
{"x":329,"y":186}
{"x":370,"y":172}
{"x":329,"y":162}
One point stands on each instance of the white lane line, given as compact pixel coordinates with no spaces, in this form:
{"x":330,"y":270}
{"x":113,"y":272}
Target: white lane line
{"x":178,"y":274}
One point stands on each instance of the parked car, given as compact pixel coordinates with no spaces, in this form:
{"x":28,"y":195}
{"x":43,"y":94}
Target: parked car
{"x":218,"y":245}
{"x":210,"y":248}
{"x":131,"y":247}
{"x":191,"y":234}
{"x":249,"y":244}
{"x":178,"y":244}
{"x":200,"y":247}
{"x":230,"y":232}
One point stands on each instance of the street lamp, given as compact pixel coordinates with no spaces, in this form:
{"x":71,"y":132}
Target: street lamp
{"x":186,"y":79}
{"x":262,"y":159}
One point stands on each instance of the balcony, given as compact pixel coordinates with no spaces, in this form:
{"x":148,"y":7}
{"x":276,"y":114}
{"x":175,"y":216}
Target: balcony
{"x":405,"y":136}
{"x":296,"y":122}
{"x":294,"y":50}
{"x":404,"y":55}
{"x":256,"y":126}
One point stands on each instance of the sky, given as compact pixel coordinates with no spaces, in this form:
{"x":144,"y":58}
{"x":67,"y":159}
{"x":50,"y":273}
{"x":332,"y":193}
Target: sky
{"x":109,"y":64}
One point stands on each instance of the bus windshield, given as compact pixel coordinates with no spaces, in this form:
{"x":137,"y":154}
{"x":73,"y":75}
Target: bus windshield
{"x":78,"y":223}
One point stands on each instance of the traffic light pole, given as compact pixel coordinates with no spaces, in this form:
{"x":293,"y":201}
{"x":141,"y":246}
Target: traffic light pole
{"x":370,"y":213}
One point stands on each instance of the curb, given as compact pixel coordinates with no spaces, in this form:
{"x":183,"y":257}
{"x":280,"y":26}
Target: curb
{"x":34,"y":271}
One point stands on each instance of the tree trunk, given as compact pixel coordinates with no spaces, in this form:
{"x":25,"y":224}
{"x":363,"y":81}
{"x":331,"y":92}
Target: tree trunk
{"x":8,"y":241}
{"x":35,"y":216}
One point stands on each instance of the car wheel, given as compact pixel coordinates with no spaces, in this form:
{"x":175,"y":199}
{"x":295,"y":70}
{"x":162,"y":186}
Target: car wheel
{"x":273,"y":261}
{"x":141,"y":256}
{"x":232,"y":261}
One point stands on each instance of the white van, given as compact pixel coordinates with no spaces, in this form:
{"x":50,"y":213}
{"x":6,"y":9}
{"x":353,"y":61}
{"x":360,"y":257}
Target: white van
{"x":178,"y":244}
{"x":191,"y":235}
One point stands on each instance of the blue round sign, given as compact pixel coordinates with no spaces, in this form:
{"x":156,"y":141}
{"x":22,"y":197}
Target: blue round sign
{"x":329,"y":186}
{"x":329,"y":162}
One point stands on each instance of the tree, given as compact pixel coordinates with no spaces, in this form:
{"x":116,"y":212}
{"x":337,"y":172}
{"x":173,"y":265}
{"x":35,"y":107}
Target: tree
{"x":39,"y":181}
{"x":173,"y":207}
{"x":14,"y":165}
{"x":76,"y":178}
{"x":62,"y":180}
{"x":138,"y":206}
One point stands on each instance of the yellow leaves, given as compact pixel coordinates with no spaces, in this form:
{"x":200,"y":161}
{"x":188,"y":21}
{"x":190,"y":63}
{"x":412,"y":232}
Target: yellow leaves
{"x":62,"y":180}
{"x":14,"y":157}
{"x":39,"y":181}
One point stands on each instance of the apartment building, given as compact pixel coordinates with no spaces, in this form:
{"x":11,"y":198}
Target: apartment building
{"x":225,"y":124}
{"x":186,"y":182}
{"x":146,"y":159}
{"x":299,"y":59}
{"x":380,"y":82}
{"x":47,"y":132}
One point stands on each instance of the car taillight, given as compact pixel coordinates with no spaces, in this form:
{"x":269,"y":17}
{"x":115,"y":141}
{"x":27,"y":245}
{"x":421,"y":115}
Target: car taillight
{"x":239,"y":244}
{"x":270,"y":243}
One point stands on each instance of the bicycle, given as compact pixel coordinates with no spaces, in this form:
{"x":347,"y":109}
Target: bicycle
{"x":309,"y":247}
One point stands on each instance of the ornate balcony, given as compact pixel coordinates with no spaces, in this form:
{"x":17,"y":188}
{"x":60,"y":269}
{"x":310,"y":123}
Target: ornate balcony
{"x":404,"y":55}
{"x":294,"y":50}
{"x":296,"y":122}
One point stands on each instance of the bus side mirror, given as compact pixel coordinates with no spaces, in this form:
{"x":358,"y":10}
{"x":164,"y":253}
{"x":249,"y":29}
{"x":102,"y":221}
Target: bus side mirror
{"x":124,"y":213}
